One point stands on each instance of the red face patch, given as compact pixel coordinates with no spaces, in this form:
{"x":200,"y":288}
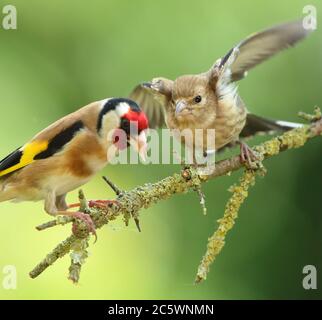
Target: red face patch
{"x":132,"y":123}
{"x":139,"y":118}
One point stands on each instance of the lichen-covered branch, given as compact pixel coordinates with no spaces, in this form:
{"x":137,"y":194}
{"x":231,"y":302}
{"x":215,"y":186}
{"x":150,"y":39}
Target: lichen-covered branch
{"x":217,"y":240}
{"x":129,"y":203}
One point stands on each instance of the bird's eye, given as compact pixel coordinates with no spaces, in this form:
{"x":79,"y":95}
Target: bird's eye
{"x":197,"y":99}
{"x":125,"y":125}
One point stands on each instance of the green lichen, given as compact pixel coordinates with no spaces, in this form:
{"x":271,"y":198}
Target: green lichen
{"x":58,"y":252}
{"x":317,"y":115}
{"x":291,"y":139}
{"x":74,"y":272}
{"x":295,"y":138}
{"x":78,"y":257}
{"x":217,"y":241}
{"x":269,"y":148}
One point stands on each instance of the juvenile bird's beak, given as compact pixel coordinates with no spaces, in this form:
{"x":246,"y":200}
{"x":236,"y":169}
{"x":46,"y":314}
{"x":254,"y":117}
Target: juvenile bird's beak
{"x":139,"y":143}
{"x":146,"y":85}
{"x":180,"y":105}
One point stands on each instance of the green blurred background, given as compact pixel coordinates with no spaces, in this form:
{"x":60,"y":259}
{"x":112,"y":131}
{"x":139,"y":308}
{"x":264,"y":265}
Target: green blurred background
{"x":66,"y":54}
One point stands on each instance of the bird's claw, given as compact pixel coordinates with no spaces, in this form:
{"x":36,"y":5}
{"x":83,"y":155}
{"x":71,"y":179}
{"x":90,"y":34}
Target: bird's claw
{"x":87,"y":220}
{"x":103,"y":204}
{"x":248,"y":156}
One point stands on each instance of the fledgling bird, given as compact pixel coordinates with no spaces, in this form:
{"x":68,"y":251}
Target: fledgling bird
{"x":210,"y":100}
{"x":68,"y":153}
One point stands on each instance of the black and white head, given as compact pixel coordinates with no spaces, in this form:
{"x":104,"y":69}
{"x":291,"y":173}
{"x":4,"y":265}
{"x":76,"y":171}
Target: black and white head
{"x":126,"y":122}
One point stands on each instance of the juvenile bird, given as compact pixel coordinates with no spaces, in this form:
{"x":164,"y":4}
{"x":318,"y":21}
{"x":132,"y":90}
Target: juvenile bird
{"x":68,"y":153}
{"x":210,"y":100}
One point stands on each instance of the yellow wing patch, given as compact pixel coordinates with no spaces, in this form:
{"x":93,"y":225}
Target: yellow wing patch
{"x":29,"y":151}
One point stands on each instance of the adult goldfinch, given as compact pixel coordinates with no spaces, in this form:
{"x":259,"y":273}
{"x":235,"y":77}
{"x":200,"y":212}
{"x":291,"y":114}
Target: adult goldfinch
{"x":210,"y":100}
{"x":70,"y":152}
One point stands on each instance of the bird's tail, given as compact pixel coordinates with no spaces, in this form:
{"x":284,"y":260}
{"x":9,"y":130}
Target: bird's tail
{"x":257,"y":125}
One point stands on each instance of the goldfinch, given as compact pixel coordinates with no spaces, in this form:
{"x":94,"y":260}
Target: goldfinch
{"x":210,"y":100}
{"x":68,"y":153}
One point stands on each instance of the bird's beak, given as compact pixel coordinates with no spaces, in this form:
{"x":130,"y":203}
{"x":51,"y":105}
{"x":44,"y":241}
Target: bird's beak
{"x":180,"y":105}
{"x":146,"y":85}
{"x":139,"y":144}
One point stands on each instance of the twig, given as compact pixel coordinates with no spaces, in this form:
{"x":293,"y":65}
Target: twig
{"x":202,"y":200}
{"x":311,"y":117}
{"x":119,"y":193}
{"x":58,"y":252}
{"x":60,"y":220}
{"x":78,"y":256}
{"x":113,"y":186}
{"x":217,"y":240}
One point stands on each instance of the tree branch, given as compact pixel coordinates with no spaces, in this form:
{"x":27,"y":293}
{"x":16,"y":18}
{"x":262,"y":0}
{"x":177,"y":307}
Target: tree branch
{"x":128,"y":204}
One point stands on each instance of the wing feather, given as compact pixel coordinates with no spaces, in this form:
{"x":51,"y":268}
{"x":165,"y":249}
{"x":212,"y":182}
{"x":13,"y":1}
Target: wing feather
{"x":22,"y":157}
{"x":262,"y":45}
{"x":150,"y":104}
{"x":52,"y":139}
{"x":38,"y":149}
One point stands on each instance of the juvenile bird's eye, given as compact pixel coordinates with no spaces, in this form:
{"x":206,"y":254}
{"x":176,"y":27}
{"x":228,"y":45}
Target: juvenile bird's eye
{"x":197,"y":99}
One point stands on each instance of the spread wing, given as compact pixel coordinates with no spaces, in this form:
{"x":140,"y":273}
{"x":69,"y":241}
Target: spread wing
{"x":144,"y":96}
{"x":46,"y":144}
{"x":262,"y":45}
{"x":153,"y":97}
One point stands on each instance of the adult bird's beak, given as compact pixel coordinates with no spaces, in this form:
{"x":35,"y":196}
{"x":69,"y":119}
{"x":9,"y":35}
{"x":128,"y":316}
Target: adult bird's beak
{"x":139,"y":144}
{"x":180,"y":105}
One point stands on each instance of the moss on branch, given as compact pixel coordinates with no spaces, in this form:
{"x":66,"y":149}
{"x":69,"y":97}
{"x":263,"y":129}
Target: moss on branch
{"x":217,"y":240}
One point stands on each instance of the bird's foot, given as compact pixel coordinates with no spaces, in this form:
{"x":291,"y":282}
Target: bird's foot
{"x":86,"y":219}
{"x":103,"y":204}
{"x":95,"y":203}
{"x":248,"y":156}
{"x":73,"y":205}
